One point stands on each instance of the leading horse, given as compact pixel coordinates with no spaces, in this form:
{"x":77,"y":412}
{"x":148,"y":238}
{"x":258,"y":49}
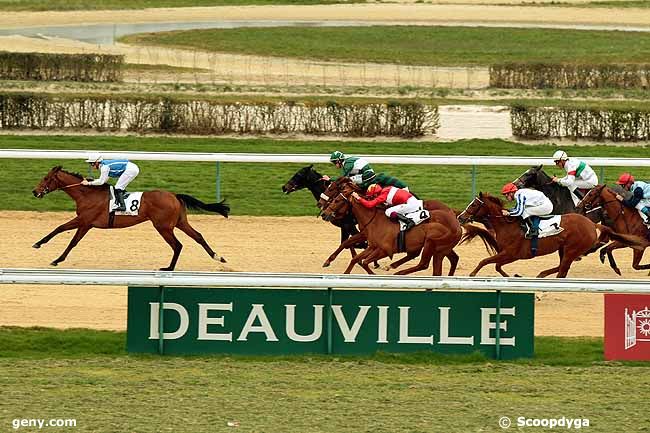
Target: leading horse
{"x":536,"y":178}
{"x":578,"y":238}
{"x":164,"y":209}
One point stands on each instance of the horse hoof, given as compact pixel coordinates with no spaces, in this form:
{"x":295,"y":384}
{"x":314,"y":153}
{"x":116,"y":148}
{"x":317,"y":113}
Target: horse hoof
{"x":37,"y":246}
{"x":166,"y":269}
{"x":54,"y":264}
{"x":518,"y":276}
{"x":618,"y":271}
{"x":602,"y":257}
{"x":222,"y":260}
{"x":326,"y":264}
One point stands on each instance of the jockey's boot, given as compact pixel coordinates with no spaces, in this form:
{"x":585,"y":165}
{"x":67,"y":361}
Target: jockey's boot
{"x":646,"y":211}
{"x":407,"y":222}
{"x":119,"y":199}
{"x":533,"y":232}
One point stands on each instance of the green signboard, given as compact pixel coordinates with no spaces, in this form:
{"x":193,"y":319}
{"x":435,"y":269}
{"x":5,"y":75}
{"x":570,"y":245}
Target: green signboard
{"x":283,"y":321}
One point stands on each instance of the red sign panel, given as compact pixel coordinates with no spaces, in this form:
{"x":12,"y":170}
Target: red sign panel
{"x":627,"y":327}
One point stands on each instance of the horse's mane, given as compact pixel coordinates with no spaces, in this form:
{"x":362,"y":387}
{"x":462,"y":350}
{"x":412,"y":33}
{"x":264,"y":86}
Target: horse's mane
{"x":493,"y":199}
{"x":77,"y":175}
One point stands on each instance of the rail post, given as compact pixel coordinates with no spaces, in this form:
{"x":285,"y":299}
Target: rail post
{"x":161,"y":327}
{"x":497,"y":330}
{"x":218,"y":181}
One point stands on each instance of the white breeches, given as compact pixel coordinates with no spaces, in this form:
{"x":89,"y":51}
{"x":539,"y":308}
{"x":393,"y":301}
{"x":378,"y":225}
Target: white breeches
{"x":640,"y":205}
{"x":542,"y":210}
{"x":584,"y":184}
{"x":411,"y":205}
{"x":129,"y":174}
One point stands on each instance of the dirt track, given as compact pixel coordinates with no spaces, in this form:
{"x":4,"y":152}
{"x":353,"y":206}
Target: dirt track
{"x":257,"y":244}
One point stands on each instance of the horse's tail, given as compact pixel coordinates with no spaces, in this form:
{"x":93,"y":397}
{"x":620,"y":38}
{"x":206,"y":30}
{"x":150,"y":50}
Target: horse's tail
{"x":632,"y":241}
{"x":194,"y":203}
{"x":472,"y":231}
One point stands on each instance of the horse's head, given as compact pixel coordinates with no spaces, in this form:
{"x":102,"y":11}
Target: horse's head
{"x":481,"y":208}
{"x":534,"y":177}
{"x":55,"y":179}
{"x":304,"y":178}
{"x":48,"y":184}
{"x":592,"y":200}
{"x":336,"y":202}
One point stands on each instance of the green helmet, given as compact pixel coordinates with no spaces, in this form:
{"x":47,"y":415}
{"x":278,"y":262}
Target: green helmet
{"x":368,"y":176}
{"x":337,"y":156}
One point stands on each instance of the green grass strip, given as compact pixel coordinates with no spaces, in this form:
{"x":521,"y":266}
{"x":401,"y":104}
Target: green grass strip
{"x":255,"y":188}
{"x":70,"y":5}
{"x":415,"y":45}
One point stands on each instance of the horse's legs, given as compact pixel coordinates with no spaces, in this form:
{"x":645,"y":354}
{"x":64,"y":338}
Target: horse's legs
{"x":453,"y":262}
{"x":348,"y":243}
{"x":425,"y":258}
{"x":567,"y":260}
{"x":636,"y":260}
{"x":365,"y":253}
{"x":400,"y":262}
{"x":610,"y":257}
{"x":80,"y":233}
{"x":167,"y":234}
{"x":186,"y":228}
{"x":501,"y":258}
{"x":550,"y":271}
{"x":500,"y":270}
{"x":72,"y":224}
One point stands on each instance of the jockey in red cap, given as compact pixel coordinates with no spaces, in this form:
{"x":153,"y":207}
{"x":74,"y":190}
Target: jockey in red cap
{"x":400,"y":202}
{"x":640,"y":195}
{"x":529,"y":203}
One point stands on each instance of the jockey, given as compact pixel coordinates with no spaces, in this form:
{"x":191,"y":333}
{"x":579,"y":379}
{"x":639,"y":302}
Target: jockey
{"x":123,"y":169}
{"x":382,"y":179}
{"x":640,"y":195}
{"x":400,"y":202}
{"x":578,"y":175}
{"x":351,"y":166}
{"x":529,"y":203}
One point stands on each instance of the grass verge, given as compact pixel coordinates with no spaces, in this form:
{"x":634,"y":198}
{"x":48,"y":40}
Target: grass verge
{"x":255,"y":189}
{"x":415,"y":45}
{"x":380,"y":393}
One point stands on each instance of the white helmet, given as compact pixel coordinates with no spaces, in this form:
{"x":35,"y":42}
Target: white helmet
{"x":94,"y":157}
{"x":560,"y":155}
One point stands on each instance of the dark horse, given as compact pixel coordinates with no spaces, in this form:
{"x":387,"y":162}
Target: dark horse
{"x":620,"y":218}
{"x":578,"y":238}
{"x":309,"y":178}
{"x":164,"y":209}
{"x":559,"y":195}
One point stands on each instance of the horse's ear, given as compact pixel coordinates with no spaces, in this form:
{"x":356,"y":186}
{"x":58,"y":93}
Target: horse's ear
{"x":311,"y":166}
{"x":539,"y":167}
{"x":480,"y":194}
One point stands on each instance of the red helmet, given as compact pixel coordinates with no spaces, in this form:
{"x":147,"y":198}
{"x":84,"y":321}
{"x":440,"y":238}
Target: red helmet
{"x":374,"y":189}
{"x":625,"y":178}
{"x":508,"y":188}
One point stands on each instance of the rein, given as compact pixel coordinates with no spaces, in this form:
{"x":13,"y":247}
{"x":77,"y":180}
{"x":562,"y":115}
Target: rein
{"x":70,"y":186}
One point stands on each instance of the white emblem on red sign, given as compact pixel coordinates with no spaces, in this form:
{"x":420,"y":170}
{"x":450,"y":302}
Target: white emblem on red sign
{"x":637,"y":327}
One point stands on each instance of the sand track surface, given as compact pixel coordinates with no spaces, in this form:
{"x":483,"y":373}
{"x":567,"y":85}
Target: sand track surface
{"x":253,"y":244}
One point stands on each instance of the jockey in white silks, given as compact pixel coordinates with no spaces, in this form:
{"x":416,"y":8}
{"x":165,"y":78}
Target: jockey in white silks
{"x":529,"y":203}
{"x":579,"y":175}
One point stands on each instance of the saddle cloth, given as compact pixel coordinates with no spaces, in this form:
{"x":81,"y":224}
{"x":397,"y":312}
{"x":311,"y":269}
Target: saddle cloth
{"x":417,"y":217}
{"x":132,"y":200}
{"x":550,"y":226}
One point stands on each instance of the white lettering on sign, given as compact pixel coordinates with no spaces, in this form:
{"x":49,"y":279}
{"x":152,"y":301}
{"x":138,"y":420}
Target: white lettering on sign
{"x":444,"y":330}
{"x":486,"y":325}
{"x":404,"y":336}
{"x":182,"y":326}
{"x":204,"y":321}
{"x":382,"y":324}
{"x":291,"y":324}
{"x":350,"y":333}
{"x":257,"y":313}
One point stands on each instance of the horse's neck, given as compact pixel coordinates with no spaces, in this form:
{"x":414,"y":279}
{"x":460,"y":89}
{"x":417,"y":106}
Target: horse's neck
{"x":363,"y":215}
{"x":76,"y":193}
{"x":560,"y":197}
{"x":623,"y":221}
{"x":503,"y":226}
{"x":318,"y":187}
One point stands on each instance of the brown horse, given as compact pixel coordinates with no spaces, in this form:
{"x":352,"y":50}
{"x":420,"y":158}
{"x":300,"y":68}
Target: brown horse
{"x":444,"y":215}
{"x":620,"y":218}
{"x":578,"y":238}
{"x":164,"y":209}
{"x":432,"y":239}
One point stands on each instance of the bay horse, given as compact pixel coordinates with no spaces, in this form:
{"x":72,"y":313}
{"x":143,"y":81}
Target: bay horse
{"x":432,"y":239}
{"x":536,"y":178}
{"x":578,"y":238}
{"x":445,"y":215}
{"x":620,"y":218}
{"x":164,"y":209}
{"x":308,"y":178}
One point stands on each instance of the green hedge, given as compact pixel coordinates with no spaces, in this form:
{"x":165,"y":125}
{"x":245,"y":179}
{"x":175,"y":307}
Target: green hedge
{"x":213,"y":117}
{"x":569,"y":76}
{"x":589,"y":123}
{"x":61,"y":67}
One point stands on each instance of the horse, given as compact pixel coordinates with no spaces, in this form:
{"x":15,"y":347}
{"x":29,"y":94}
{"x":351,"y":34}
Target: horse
{"x":620,"y":218}
{"x":308,"y":177}
{"x":432,"y":239}
{"x":164,"y":209}
{"x":578,"y":238}
{"x":560,"y":196}
{"x":446,"y":216}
